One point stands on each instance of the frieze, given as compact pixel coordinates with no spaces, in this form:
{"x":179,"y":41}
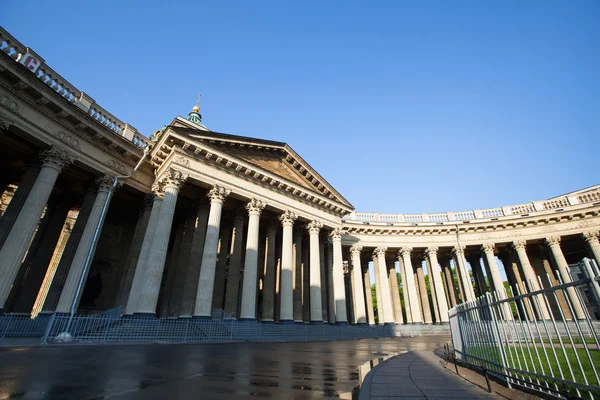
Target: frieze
{"x":117,"y":167}
{"x":9,"y":104}
{"x":68,"y":139}
{"x":181,"y":160}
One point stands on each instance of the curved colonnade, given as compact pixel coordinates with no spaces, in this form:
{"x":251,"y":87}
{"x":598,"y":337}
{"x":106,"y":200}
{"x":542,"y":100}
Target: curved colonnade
{"x":222,"y":226}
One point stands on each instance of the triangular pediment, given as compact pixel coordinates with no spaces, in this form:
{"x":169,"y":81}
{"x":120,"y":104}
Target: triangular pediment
{"x":274,"y":157}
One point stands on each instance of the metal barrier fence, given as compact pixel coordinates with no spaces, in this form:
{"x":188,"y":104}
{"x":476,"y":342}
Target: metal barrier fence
{"x":524,"y":341}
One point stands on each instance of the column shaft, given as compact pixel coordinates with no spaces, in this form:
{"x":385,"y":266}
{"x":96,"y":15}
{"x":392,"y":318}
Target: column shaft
{"x":16,"y":203}
{"x":298,"y":277}
{"x":268,"y":305}
{"x":591,"y":238}
{"x":530,"y":278}
{"x":330,"y":291}
{"x":395,"y":294}
{"x":436,"y":280}
{"x":235,"y":265}
{"x":206,"y":281}
{"x":323,"y":272}
{"x":463,"y":275}
{"x":249,"y":286}
{"x":339,"y":293}
{"x":405,"y":291}
{"x":563,"y":268}
{"x":424,"y":297}
{"x":378,"y":290}
{"x":411,"y":287}
{"x":316,"y":307}
{"x":359,"y":298}
{"x":286,"y":312}
{"x":368,"y":295}
{"x":449,"y":280}
{"x":77,"y":273}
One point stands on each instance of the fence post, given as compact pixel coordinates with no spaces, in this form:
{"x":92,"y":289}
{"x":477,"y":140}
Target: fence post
{"x":48,"y":329}
{"x":496,"y":333}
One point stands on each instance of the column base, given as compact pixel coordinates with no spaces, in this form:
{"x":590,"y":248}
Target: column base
{"x":201,"y":317}
{"x":443,"y":323}
{"x":286,"y":322}
{"x":184,"y":317}
{"x":143,"y":315}
{"x":342,"y":323}
{"x":416,"y":323}
{"x":362,"y":324}
{"x":267,"y":321}
{"x":247,"y":319}
{"x":316,"y":322}
{"x":389,"y":324}
{"x":298,"y":321}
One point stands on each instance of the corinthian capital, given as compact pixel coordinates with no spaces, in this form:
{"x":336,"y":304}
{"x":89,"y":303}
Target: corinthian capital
{"x":488,"y":247}
{"x":553,"y":241}
{"x":337,"y":233}
{"x":56,"y":158}
{"x":380,"y":251}
{"x":105,"y":182}
{"x":519,"y":244}
{"x":314,"y":227}
{"x":218,"y":194}
{"x":255,"y":206}
{"x":431,"y":251}
{"x":458,"y":250}
{"x":356,"y":249}
{"x":591,"y":236}
{"x":158,"y":189}
{"x":405,"y":251}
{"x":173,"y":178}
{"x":288,"y":218}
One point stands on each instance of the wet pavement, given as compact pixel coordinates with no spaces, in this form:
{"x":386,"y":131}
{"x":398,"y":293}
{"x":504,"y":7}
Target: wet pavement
{"x":312,"y":370}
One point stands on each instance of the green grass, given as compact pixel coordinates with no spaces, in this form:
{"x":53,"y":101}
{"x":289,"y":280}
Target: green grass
{"x":528,"y":359}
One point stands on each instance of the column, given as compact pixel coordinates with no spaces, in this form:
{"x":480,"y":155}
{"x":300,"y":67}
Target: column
{"x":134,"y":250}
{"x":223,"y":249}
{"x":359,"y":298}
{"x":591,"y":238}
{"x":316,"y":306}
{"x":330,"y":293}
{"x":449,"y":280}
{"x":157,"y":255}
{"x":323,"y":271}
{"x":478,"y":276}
{"x":305,"y":282}
{"x":530,"y":277}
{"x":423,"y":293}
{"x":206,"y":281}
{"x":463,"y":274}
{"x":338,"y":277}
{"x":286,"y":313}
{"x":386,"y":299}
{"x":554,"y":243}
{"x":168,"y":293}
{"x":404,"y":290}
{"x":16,"y":203}
{"x":268,"y":305}
{"x":434,"y":305}
{"x":135,"y":293}
{"x":192,"y":272}
{"x":22,"y":231}
{"x":495,"y":278}
{"x":235,"y":264}
{"x":298,"y":276}
{"x":436,"y":281}
{"x":72,"y":291}
{"x":378,"y":289}
{"x":248,"y":307}
{"x":183,"y":261}
{"x":395,"y":294}
{"x":367,"y":294}
{"x":411,"y":286}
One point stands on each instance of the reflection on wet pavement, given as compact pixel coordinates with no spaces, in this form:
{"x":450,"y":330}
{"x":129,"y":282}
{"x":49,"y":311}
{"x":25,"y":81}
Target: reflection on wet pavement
{"x":312,"y":370}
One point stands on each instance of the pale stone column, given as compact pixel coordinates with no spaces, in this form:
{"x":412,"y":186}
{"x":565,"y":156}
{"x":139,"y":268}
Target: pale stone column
{"x":183,"y":260}
{"x":192,"y":274}
{"x":359,"y":298}
{"x":286,"y":312}
{"x":330,"y":291}
{"x":449,"y":280}
{"x":378,"y":289}
{"x":368,"y":295}
{"x":323,"y":271}
{"x":591,"y":238}
{"x":563,"y":268}
{"x":495,"y":278}
{"x":223,"y":248}
{"x":395,"y":294}
{"x":298,"y":276}
{"x":135,"y":293}
{"x":386,"y":299}
{"x":514,"y":279}
{"x":316,"y":306}
{"x":305,"y":282}
{"x":411,"y":286}
{"x":22,"y":231}
{"x":235,"y":264}
{"x":172,"y":181}
{"x":434,"y":305}
{"x":69,"y":295}
{"x":268,"y":300}
{"x":134,"y":251}
{"x":339,"y":293}
{"x":249,"y":289}
{"x":530,"y":277}
{"x":478,"y":276}
{"x":436,"y":281}
{"x":404,"y":289}
{"x":16,"y":203}
{"x":424,"y":297}
{"x":349,"y":289}
{"x":168,"y":293}
{"x":463,"y":274}
{"x":206,"y":281}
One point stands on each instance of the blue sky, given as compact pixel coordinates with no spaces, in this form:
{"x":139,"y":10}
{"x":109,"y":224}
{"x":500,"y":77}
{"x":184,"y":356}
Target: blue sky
{"x":403,"y":106}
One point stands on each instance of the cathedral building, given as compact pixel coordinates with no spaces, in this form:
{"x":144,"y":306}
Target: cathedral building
{"x":193,"y":223}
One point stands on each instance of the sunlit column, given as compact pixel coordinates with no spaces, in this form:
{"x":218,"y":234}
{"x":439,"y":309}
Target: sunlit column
{"x":249,"y":289}
{"x":463,"y":274}
{"x":338,"y":277}
{"x":297,"y":276}
{"x":411,"y":286}
{"x":436,"y":281}
{"x":423,"y":295}
{"x":530,"y":277}
{"x":368,"y":295}
{"x":404,"y":290}
{"x":286,"y":313}
{"x":591,"y":238}
{"x":395,"y":294}
{"x":359,"y":298}
{"x":316,"y":308}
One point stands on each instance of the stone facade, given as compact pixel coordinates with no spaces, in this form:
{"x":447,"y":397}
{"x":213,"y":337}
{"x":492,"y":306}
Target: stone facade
{"x":217,"y":225}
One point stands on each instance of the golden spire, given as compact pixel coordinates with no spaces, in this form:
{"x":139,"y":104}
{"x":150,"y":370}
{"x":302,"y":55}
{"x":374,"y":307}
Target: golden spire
{"x":196,"y":108}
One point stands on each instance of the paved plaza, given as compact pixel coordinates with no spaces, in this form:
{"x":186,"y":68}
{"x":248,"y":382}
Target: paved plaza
{"x":313,"y":370}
